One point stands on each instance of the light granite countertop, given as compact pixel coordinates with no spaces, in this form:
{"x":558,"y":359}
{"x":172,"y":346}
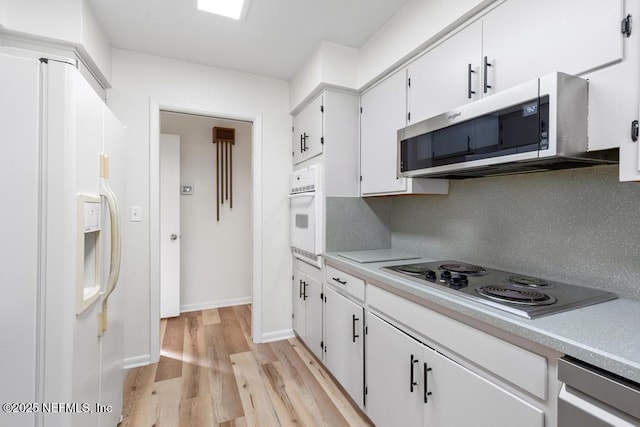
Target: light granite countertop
{"x":606,"y":335}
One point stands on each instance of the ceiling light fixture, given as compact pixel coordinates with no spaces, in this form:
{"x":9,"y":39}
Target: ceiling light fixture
{"x":234,"y":9}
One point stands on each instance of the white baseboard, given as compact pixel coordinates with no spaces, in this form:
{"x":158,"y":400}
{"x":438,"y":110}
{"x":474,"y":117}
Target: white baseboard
{"x":284,"y":334}
{"x":214,"y":304}
{"x":136,"y":361}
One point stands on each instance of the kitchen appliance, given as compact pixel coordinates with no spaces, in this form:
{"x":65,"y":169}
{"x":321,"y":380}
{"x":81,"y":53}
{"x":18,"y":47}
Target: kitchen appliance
{"x":525,"y":296}
{"x":536,"y":126}
{"x":62,"y":310}
{"x":307,"y":215}
{"x":591,"y":397}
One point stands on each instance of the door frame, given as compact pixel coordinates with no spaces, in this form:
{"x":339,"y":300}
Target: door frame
{"x":155,"y":106}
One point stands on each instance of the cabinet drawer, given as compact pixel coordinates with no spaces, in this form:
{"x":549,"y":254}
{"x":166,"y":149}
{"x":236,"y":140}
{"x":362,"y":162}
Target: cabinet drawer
{"x":346,"y":282}
{"x":520,"y":367}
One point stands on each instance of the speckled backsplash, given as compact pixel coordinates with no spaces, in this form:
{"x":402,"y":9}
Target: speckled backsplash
{"x":579,"y":226}
{"x":355,"y":224}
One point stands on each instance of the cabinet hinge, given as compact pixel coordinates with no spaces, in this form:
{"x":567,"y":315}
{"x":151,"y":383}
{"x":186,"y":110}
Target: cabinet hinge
{"x":625,"y":26}
{"x":292,"y":129}
{"x":293,"y":154}
{"x":409,"y":82}
{"x":322,"y":108}
{"x":322,"y":140}
{"x":360,"y":110}
{"x":321,"y":344}
{"x":293,"y":277}
{"x":321,"y":296}
{"x":366,"y":390}
{"x":635,"y":130}
{"x":409,"y":116}
{"x":293,"y":315}
{"x":366,"y":330}
{"x":360,"y":178}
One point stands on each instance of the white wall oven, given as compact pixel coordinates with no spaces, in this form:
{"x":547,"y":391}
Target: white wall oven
{"x":306,"y":215}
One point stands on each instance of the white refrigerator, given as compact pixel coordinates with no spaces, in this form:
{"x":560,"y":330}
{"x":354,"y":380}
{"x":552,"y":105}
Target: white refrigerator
{"x":61,"y":308}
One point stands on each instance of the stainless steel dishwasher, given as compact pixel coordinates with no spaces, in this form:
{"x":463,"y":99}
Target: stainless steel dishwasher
{"x":591,"y":397}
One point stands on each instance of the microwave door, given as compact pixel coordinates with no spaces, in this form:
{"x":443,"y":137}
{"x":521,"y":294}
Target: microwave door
{"x":303,"y":221}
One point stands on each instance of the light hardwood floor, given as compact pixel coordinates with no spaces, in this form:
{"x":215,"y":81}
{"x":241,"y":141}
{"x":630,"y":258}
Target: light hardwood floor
{"x":210,"y":374}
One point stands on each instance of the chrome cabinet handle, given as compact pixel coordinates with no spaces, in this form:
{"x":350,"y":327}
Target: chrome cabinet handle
{"x":173,"y":236}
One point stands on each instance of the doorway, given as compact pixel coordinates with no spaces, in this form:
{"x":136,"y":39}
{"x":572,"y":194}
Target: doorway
{"x":252,"y":261}
{"x":214,"y":232}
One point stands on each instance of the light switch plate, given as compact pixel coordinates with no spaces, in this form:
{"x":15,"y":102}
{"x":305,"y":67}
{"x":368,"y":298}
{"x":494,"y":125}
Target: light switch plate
{"x":135,"y":214}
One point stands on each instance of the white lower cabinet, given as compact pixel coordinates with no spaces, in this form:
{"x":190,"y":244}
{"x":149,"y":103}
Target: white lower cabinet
{"x":344,"y":343}
{"x":307,"y":311}
{"x":410,"y":384}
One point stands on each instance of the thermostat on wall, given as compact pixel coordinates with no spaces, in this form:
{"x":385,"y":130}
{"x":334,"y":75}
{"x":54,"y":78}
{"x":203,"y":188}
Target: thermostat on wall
{"x":187,"y":189}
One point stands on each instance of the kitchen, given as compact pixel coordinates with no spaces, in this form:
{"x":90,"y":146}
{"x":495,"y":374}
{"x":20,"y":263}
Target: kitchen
{"x":578,"y":225}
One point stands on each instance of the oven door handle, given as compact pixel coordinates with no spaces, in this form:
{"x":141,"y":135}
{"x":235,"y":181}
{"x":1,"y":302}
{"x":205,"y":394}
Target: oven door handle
{"x":299,"y":195}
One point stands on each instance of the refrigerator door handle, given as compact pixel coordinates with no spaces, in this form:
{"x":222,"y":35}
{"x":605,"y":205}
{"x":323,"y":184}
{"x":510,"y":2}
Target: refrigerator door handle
{"x":114,"y":216}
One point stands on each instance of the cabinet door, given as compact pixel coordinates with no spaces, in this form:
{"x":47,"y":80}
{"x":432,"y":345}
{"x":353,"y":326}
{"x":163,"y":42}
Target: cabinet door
{"x":394,"y":376}
{"x":524,"y":40}
{"x":308,"y":132}
{"x":383,"y":113}
{"x":447,"y":76}
{"x":298,"y":304}
{"x":313,"y":318}
{"x":344,"y":349}
{"x":484,"y":403}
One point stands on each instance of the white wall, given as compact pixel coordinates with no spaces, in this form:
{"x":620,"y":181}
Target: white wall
{"x":59,"y":23}
{"x":214,"y":266}
{"x":138,"y":81}
{"x":328,"y":64}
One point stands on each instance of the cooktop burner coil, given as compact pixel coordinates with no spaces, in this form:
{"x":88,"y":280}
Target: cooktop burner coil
{"x":515,"y":295}
{"x":463,"y":268}
{"x":532,"y":282}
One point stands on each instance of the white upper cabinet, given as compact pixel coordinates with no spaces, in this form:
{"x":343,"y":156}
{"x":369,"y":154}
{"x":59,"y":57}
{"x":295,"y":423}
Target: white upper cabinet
{"x":325,"y":132}
{"x":308,"y":137}
{"x":383,"y":112}
{"x":523,"y":40}
{"x":515,"y":42}
{"x":447,"y":76}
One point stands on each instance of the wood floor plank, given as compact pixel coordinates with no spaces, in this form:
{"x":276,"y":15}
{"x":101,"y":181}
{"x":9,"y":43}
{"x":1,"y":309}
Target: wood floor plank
{"x":196,"y":412}
{"x":167,"y":412}
{"x":238,"y":422}
{"x":283,"y":389}
{"x":195,"y":366}
{"x":170,"y":365}
{"x":258,"y":408}
{"x":352,"y":415}
{"x":225,"y":397}
{"x":211,"y":316}
{"x":233,"y":336}
{"x":310,"y":389}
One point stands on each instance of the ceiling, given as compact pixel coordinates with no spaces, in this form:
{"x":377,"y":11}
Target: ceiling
{"x":273,"y":40}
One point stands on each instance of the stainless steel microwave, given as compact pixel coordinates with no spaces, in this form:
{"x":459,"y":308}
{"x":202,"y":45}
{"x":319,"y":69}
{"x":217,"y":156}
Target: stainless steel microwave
{"x":539,"y":125}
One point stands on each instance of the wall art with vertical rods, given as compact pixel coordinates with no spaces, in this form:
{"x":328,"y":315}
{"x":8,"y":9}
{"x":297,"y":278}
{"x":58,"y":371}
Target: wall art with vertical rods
{"x":225,"y":139}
